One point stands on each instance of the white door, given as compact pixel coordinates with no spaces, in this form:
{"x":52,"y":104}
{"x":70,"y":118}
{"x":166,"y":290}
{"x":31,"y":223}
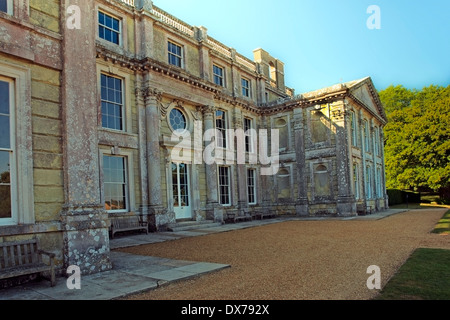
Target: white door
{"x":181,"y":191}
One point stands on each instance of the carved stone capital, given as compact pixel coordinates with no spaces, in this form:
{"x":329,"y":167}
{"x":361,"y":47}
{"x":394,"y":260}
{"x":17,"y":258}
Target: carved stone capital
{"x":146,"y":93}
{"x":207,"y":109}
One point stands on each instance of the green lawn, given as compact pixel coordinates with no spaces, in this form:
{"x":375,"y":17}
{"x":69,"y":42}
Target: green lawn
{"x":425,"y":275}
{"x":443,"y":226}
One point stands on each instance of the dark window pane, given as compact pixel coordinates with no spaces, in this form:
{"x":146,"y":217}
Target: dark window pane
{"x":4,"y":5}
{"x":115,"y":38}
{"x":115,"y":183}
{"x":101,"y":32}
{"x":4,"y":166}
{"x":108,"y":35}
{"x":110,"y":95}
{"x":116,"y":24}
{"x":118,"y":124}
{"x":101,"y":18}
{"x":5,"y":140}
{"x":108,"y":21}
{"x":4,"y":97}
{"x":5,"y":201}
{"x":104,"y":80}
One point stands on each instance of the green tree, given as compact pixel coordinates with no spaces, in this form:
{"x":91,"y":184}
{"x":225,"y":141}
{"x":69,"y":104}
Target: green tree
{"x":417,"y":145}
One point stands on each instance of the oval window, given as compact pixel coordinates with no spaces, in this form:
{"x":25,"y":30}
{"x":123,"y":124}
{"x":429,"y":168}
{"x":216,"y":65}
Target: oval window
{"x":177,"y":120}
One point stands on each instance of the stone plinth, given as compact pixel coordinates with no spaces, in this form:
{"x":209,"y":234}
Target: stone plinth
{"x":86,"y":238}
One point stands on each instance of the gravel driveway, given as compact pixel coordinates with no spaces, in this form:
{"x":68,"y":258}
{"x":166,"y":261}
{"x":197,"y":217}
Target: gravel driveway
{"x":298,"y":260}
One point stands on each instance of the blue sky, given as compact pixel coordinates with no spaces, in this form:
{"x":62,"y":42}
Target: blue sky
{"x":324,"y":42}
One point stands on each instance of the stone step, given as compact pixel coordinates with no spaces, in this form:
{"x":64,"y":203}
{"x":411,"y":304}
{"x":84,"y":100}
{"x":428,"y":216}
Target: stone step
{"x":191,"y":225}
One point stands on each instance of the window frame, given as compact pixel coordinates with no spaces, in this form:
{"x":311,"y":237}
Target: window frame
{"x":251,"y":187}
{"x":12,"y":155}
{"x":123,"y":105}
{"x":366,"y":136}
{"x":248,"y":135}
{"x":377,"y":140}
{"x":246,"y":90}
{"x":378,"y":182}
{"x":356,"y":180}
{"x":119,"y":32}
{"x":220,"y":77}
{"x":123,"y":184}
{"x":103,"y":67}
{"x":129,"y":171}
{"x":20,"y":78}
{"x":9,"y":7}
{"x":170,"y":53}
{"x":369,"y":193}
{"x":226,"y":186}
{"x":354,"y":127}
{"x":222,"y":130}
{"x":186,"y":120}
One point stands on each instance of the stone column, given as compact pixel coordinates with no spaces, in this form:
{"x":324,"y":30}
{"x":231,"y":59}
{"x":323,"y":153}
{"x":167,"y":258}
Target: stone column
{"x":241,"y":168}
{"x":346,"y":205}
{"x":267,"y":181}
{"x":362,"y":170}
{"x":212,"y":196}
{"x":84,"y":218}
{"x":383,"y":168}
{"x":300,"y":155}
{"x":143,"y":164}
{"x":153,"y":128}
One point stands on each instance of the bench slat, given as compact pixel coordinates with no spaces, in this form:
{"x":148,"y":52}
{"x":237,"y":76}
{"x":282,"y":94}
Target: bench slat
{"x":19,"y":254}
{"x":23,"y":258}
{"x":26,"y":253}
{"x":5,"y":257}
{"x":33,"y":257}
{"x":19,"y":271}
{"x":12,"y":256}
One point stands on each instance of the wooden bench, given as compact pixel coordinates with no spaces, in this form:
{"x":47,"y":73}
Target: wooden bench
{"x":20,"y":258}
{"x":264,"y":214}
{"x":132,"y":223}
{"x":234,"y":217}
{"x":363,"y":210}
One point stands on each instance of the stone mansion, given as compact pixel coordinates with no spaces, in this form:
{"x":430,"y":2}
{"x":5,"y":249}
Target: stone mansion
{"x":92,"y":92}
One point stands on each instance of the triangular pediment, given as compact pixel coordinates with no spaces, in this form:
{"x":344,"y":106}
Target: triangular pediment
{"x":365,"y":92}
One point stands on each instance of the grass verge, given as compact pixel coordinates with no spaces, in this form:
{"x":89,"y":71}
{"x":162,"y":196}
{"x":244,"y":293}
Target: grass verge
{"x":425,"y":275}
{"x":443,"y":226}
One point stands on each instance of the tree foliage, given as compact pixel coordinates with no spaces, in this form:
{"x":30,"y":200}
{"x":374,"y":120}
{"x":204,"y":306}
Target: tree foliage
{"x":417,"y":137}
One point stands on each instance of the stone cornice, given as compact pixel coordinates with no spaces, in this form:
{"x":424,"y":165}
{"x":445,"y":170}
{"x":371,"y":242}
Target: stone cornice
{"x":282,"y":105}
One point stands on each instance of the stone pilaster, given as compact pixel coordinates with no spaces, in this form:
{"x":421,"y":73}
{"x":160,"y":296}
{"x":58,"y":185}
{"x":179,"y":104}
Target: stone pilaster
{"x":84,"y":219}
{"x":143,"y":164}
{"x":153,"y":130}
{"x":241,"y":168}
{"x":144,"y":33}
{"x":364,"y":158}
{"x":346,"y":205}
{"x":212,"y":197}
{"x":205,"y":64}
{"x":300,"y":155}
{"x":383,"y":168}
{"x":267,"y":181}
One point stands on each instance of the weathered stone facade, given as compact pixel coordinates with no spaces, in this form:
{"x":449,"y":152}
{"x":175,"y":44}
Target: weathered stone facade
{"x":97,"y":90}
